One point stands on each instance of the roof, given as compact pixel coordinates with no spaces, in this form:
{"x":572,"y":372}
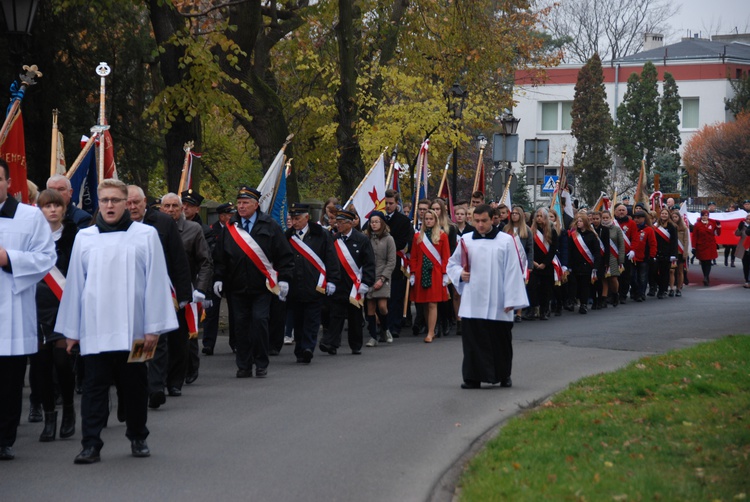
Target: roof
{"x":693,"y":49}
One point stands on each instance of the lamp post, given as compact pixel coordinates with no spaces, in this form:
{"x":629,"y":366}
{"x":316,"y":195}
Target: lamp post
{"x":456,"y":102}
{"x":505,"y":146}
{"x":19,"y":16}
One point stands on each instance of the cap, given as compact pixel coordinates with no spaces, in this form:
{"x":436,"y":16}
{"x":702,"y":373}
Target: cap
{"x":343,"y":214}
{"x":247,"y":192}
{"x":712,"y":203}
{"x":155,"y":204}
{"x":226,"y":208}
{"x":297,"y":208}
{"x":746,"y":201}
{"x":627,"y":197}
{"x":639,"y":214}
{"x":704,"y":212}
{"x":641,"y":206}
{"x":192,"y":197}
{"x":379,"y":214}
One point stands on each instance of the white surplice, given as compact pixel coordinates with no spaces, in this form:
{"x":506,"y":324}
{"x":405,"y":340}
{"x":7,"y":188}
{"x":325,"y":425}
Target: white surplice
{"x":31,"y":251}
{"x":117,"y":290}
{"x":496,"y":281}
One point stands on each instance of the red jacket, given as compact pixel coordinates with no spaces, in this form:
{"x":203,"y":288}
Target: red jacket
{"x":629,"y":229}
{"x":644,"y":243}
{"x":704,"y":239}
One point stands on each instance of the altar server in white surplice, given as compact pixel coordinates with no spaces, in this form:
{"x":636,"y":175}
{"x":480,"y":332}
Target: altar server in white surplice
{"x":27,"y":253}
{"x":117,"y":291}
{"x":486,"y":270}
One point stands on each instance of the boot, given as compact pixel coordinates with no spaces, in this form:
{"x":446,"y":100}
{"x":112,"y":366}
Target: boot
{"x":603,"y":302}
{"x":35,"y":412}
{"x":68,"y":425}
{"x":50,"y":427}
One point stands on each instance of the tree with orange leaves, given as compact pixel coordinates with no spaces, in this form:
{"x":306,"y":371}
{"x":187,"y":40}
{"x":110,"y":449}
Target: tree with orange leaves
{"x":719,"y":156}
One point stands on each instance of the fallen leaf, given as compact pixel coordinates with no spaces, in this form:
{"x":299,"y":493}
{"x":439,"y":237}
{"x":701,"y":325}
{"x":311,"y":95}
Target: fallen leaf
{"x":640,"y":366}
{"x":516,"y":465}
{"x":458,"y":424}
{"x":608,"y":464}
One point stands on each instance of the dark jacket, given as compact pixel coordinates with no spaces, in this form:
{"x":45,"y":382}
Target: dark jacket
{"x":302,"y":286}
{"x":603,"y":233}
{"x":178,"y":267}
{"x":235,"y":269}
{"x":361,"y":250}
{"x":81,"y":218}
{"x":47,"y":303}
{"x":545,"y":258}
{"x":402,"y":231}
{"x":666,"y":247}
{"x":198,"y":254}
{"x":578,"y":264}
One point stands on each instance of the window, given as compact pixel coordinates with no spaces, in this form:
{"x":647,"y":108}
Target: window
{"x":690,"y":117}
{"x":556,"y":116}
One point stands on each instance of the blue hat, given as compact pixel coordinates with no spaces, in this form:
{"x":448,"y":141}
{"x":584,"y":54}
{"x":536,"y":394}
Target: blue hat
{"x":192,"y":197}
{"x":226,"y":208}
{"x":379,"y":214}
{"x":247,"y":192}
{"x":297,"y":208}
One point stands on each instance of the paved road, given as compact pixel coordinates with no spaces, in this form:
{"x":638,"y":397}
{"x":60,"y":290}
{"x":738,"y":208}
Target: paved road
{"x":387,"y":425}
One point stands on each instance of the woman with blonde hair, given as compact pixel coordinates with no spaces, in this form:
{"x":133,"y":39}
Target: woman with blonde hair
{"x":517,"y":227}
{"x":446,"y":313}
{"x":585,"y":256}
{"x":542,"y":275}
{"x":676,"y":273}
{"x":430,"y":252}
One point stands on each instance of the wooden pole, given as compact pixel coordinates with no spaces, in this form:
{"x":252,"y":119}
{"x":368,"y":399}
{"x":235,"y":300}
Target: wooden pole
{"x":480,"y":163}
{"x":82,"y":155}
{"x":185,"y":164}
{"x":102,"y":70}
{"x":27,"y":79}
{"x":53,"y":155}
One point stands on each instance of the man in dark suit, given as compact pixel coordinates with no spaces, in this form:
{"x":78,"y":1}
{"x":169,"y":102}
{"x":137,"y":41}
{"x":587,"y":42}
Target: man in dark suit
{"x":252,"y":261}
{"x":357,"y":262}
{"x":402,"y":232}
{"x":316,"y":273}
{"x":178,"y":269}
{"x":211,"y":322}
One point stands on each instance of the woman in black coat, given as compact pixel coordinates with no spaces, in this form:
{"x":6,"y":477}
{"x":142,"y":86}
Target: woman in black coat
{"x":52,"y":355}
{"x":543,"y":274}
{"x":585,"y":255}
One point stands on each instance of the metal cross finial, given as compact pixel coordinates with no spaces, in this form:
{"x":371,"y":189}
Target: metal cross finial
{"x":31,"y":73}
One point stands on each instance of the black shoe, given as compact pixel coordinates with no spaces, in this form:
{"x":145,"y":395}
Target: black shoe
{"x":307,"y":356}
{"x":678,"y":293}
{"x":273,"y":352}
{"x":68,"y":425}
{"x":671,"y":293}
{"x":661,"y":296}
{"x":324,"y":348}
{"x":506,"y":382}
{"x":583,"y":310}
{"x":121,"y":416}
{"x":156,"y":399}
{"x":528,"y":317}
{"x":139,"y":448}
{"x":192,"y":377}
{"x":174,"y":392}
{"x":558,"y":312}
{"x":88,"y":455}
{"x":651,"y":293}
{"x":209,"y":351}
{"x":244,"y":373}
{"x":50,"y":427}
{"x":332,"y":351}
{"x":261,"y":372}
{"x":639,"y":299}
{"x":6,"y":453}
{"x":471,"y":385}
{"x":35,"y":413}
{"x":544,"y":317}
{"x":570,"y":307}
{"x":356,"y":352}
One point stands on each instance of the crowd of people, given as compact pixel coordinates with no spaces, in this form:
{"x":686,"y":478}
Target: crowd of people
{"x":88,"y":296}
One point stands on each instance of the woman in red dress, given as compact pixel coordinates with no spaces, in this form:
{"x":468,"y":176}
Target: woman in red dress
{"x":430,"y":252}
{"x":705,"y":231}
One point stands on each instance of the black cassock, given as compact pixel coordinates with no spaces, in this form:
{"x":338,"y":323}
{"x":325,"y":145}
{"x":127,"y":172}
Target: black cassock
{"x":488,"y":350}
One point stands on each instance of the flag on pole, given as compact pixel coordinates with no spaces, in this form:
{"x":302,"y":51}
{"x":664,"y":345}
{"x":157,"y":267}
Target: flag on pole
{"x":642,"y":188}
{"x":269,"y":184}
{"x":421,"y":171}
{"x":603,"y":203}
{"x":60,"y":167}
{"x":85,"y":180}
{"x":279,"y":207}
{"x":14,"y":153}
{"x":110,"y":169}
{"x":370,"y":195}
{"x":445,"y":194}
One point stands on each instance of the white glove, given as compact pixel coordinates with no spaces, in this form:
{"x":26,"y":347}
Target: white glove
{"x":412,"y":280}
{"x":564,"y":269}
{"x":363,"y":289}
{"x":182,"y":305}
{"x":283,"y":290}
{"x":593,"y":274}
{"x":198,"y":297}
{"x":446,"y":281}
{"x":673,"y":259}
{"x":631,"y":255}
{"x":330,"y":289}
{"x":207,"y":304}
{"x":218,"y":287}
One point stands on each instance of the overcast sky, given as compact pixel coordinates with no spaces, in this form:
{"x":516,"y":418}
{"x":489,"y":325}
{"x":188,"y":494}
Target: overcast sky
{"x":714,"y":16}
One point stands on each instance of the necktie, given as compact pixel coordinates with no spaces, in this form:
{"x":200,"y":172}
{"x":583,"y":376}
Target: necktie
{"x":300,"y":232}
{"x":344,"y":237}
{"x":246,"y":225}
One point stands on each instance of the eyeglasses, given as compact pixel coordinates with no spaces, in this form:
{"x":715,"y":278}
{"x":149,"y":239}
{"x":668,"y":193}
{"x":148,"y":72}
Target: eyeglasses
{"x":113,"y":200}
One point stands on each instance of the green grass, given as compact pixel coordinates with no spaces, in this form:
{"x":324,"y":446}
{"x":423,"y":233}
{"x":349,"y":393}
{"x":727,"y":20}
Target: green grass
{"x":669,"y":427}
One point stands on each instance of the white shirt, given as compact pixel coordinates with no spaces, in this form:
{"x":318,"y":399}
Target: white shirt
{"x":117,"y":290}
{"x":496,"y":281}
{"x":28,"y":241}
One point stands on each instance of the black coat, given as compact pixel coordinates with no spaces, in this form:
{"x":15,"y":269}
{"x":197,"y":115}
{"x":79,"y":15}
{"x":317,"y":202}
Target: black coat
{"x":47,"y":303}
{"x":666,"y":248}
{"x":235,"y":269}
{"x":603,"y":233}
{"x":361,"y":250}
{"x":578,"y":264}
{"x":178,"y":267}
{"x":302,"y":287}
{"x":78,"y":216}
{"x":540,"y":257}
{"x":402,"y":231}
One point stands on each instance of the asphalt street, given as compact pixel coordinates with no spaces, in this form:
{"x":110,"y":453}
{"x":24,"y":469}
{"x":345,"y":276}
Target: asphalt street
{"x":390,"y":424}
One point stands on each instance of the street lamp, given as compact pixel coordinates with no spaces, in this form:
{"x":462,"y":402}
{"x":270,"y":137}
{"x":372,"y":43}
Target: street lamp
{"x":505,"y":146}
{"x":456,"y":102}
{"x":19,"y":15}
{"x":509,"y":123}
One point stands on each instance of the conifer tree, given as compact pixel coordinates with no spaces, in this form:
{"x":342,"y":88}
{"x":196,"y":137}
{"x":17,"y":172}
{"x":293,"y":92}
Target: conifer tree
{"x":592,"y":128}
{"x":667,"y":159}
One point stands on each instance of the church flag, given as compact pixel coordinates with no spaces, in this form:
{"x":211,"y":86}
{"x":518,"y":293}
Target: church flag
{"x":14,"y":153}
{"x":270,"y":182}
{"x":421,"y":175}
{"x":85,"y":180}
{"x":370,"y":194}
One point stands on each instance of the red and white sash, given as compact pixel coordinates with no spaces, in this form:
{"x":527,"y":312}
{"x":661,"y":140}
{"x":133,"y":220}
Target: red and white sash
{"x":557,"y":270}
{"x":583,"y":249}
{"x":613,"y":250}
{"x":680,"y":247}
{"x":539,"y":240}
{"x":625,"y":238}
{"x":314,"y":259}
{"x":662,"y":232}
{"x":429,"y":249}
{"x":522,"y":261}
{"x":352,"y":270}
{"x":253,"y":251}
{"x":192,"y":315}
{"x":601,"y":247}
{"x":56,"y":282}
{"x":404,"y":262}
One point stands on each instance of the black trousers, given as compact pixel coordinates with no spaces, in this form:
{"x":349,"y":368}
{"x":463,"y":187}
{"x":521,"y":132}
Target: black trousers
{"x":306,"y":324}
{"x":626,"y":277}
{"x":488,"y":350}
{"x":340,"y":311}
{"x":12,"y":373}
{"x":662,"y":273}
{"x":169,"y":364}
{"x":396,"y":302}
{"x":131,"y":380}
{"x":250,"y":315}
{"x":211,"y":323}
{"x":49,"y":362}
{"x":277,"y":324}
{"x":541,"y":288}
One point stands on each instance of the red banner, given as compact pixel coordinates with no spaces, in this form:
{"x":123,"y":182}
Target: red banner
{"x":14,"y":153}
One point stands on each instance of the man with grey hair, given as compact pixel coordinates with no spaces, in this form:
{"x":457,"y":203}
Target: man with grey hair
{"x":117,"y":292}
{"x":201,"y":275}
{"x":61,"y":183}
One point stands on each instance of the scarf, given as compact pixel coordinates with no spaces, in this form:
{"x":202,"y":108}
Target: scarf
{"x":426,"y":280}
{"x":120,"y":226}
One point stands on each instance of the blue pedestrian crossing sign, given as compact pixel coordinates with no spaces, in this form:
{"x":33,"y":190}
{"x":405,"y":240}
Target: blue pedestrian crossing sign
{"x":549,"y":184}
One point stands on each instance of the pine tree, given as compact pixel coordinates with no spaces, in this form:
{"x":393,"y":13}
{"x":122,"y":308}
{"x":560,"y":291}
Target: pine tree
{"x":520,"y":196}
{"x":592,"y":128}
{"x":667,"y":159}
{"x":741,"y":100}
{"x":638,"y":126}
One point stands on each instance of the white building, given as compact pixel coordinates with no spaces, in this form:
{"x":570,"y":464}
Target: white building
{"x":700,"y":67}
